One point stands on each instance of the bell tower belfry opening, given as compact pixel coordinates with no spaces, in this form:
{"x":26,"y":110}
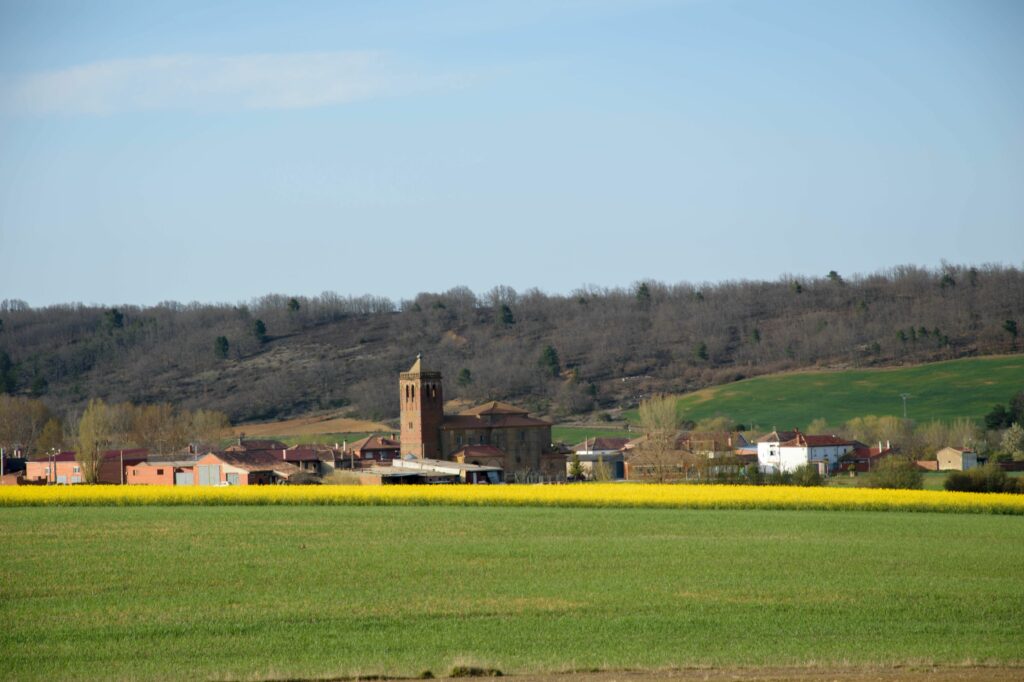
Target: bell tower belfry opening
{"x":422,"y":411}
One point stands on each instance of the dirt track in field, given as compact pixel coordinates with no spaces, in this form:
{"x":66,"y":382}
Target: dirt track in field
{"x":311,"y":426}
{"x":900,"y":674}
{"x":921,"y":673}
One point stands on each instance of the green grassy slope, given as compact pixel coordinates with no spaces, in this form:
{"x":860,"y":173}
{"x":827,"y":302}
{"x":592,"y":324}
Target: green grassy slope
{"x":942,"y":390}
{"x":248,"y":593}
{"x":571,"y":435}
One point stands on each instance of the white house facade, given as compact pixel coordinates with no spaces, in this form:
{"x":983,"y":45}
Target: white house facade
{"x":786,"y":451}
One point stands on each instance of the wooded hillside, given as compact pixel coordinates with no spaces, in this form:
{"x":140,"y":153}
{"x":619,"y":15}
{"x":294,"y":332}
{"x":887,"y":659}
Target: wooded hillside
{"x":558,"y":354}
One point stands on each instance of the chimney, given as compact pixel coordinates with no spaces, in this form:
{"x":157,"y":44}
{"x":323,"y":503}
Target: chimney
{"x":879,"y":446}
{"x":284,"y":453}
{"x":887,"y":446}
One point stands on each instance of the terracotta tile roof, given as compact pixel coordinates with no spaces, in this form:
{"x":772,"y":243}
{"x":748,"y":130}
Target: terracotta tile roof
{"x":171,"y":463}
{"x":137,"y":454}
{"x":257,"y":461}
{"x":300,"y":455}
{"x":777,"y":437}
{"x":248,"y":445}
{"x":494,"y":407}
{"x":479,"y":451}
{"x":802,"y":441}
{"x":375,"y":442}
{"x":865,"y":452}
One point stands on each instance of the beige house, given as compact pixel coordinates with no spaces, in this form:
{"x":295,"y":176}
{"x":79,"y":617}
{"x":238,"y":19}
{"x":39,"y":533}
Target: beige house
{"x":957,"y":459}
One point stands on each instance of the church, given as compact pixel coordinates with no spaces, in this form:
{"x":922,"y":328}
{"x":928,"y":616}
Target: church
{"x":492,"y":434}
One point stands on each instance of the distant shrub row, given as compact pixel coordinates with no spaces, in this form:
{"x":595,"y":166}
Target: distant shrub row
{"x":987,"y":479}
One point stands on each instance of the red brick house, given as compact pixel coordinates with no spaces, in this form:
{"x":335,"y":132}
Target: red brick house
{"x":372,"y":450}
{"x":65,"y":469}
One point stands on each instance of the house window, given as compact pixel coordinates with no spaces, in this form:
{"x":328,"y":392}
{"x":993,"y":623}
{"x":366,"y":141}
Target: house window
{"x":522,"y":436}
{"x":159,"y":472}
{"x":76,"y":470}
{"x":410,"y":425}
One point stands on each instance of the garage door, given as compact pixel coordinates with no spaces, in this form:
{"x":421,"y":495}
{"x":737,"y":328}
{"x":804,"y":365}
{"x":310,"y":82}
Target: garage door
{"x":209,"y":474}
{"x":184,"y":478}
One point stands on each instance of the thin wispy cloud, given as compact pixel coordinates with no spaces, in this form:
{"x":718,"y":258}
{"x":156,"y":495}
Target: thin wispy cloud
{"x":214,"y":83}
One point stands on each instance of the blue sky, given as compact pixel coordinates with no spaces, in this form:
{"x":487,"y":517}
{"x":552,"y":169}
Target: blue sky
{"x":220,"y":151}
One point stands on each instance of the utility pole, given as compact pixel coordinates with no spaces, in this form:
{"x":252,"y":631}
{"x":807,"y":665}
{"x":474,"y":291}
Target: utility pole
{"x":905,"y":396}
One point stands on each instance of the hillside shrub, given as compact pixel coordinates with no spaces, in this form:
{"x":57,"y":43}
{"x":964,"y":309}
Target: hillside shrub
{"x":806,"y":475}
{"x":339,"y":477}
{"x":896,"y":472}
{"x":987,"y":479}
{"x":305,"y":478}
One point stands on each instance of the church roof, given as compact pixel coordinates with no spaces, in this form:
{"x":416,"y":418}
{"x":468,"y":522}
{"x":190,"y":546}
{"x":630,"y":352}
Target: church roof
{"x":417,"y":366}
{"x":479,"y":451}
{"x":494,"y":407}
{"x":457,"y":422}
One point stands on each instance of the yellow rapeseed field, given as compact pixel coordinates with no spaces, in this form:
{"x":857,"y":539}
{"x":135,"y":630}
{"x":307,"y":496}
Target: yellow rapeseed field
{"x":579,"y":495}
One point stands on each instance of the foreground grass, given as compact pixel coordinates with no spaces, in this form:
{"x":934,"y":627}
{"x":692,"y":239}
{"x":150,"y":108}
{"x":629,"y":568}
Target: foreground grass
{"x":940,"y":390}
{"x":300,"y":592}
{"x":622,"y":495}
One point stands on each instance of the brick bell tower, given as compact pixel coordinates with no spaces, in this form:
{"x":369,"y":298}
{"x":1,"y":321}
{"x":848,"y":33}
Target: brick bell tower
{"x":422,"y":411}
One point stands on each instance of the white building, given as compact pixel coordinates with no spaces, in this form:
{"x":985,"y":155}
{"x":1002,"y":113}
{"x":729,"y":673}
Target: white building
{"x":595,"y":451}
{"x":787,"y":450}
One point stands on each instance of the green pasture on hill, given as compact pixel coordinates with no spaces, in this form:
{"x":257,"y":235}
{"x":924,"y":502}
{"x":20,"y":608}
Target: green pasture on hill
{"x":321,"y":592}
{"x":941,"y":390}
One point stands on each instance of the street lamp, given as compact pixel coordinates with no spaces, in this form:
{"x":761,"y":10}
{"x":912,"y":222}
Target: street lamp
{"x":905,"y":396}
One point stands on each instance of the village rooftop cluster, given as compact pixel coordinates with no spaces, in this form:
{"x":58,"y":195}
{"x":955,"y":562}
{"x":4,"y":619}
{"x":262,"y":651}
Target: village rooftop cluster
{"x":488,"y":444}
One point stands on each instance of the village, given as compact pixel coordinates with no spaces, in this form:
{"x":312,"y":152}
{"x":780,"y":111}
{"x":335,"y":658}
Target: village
{"x":491,"y":443}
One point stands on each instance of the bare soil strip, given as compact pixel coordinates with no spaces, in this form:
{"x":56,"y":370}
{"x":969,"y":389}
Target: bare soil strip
{"x":812,"y":674}
{"x":311,"y":426}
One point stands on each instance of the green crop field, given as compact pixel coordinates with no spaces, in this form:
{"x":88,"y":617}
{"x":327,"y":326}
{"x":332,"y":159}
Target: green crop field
{"x":941,"y":390}
{"x":315,"y":592}
{"x":571,"y":435}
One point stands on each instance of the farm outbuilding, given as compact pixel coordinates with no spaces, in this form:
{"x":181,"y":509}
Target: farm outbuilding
{"x":171,"y":472}
{"x":958,"y":459}
{"x":461,"y":472}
